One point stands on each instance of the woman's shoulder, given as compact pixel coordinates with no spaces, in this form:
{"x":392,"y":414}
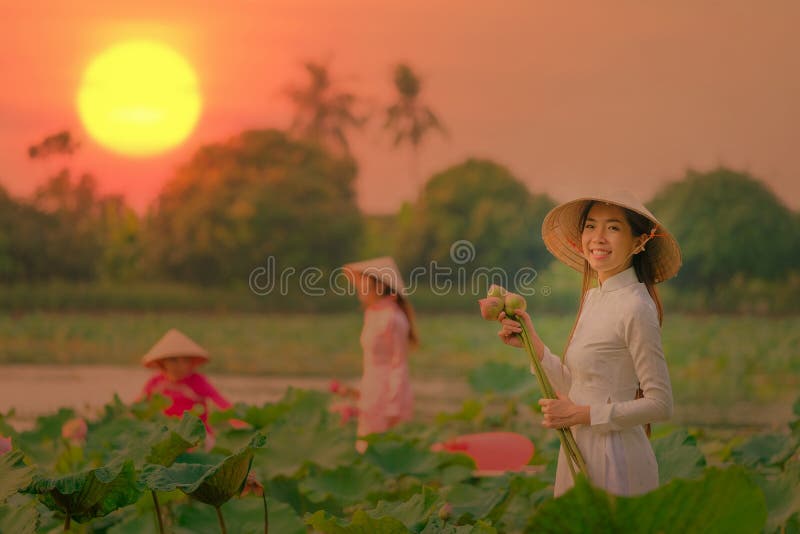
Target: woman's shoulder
{"x":637,"y":302}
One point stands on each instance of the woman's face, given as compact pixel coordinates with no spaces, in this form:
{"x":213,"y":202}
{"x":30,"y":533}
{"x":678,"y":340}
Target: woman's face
{"x":177,"y":368}
{"x":606,"y":240}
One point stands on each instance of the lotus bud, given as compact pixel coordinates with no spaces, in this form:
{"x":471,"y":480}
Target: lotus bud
{"x":252,"y":486}
{"x":74,"y":430}
{"x":445,"y":511}
{"x":496,"y":291}
{"x":491,"y":308}
{"x":5,"y":445}
{"x":514,"y":302}
{"x":335,"y":386}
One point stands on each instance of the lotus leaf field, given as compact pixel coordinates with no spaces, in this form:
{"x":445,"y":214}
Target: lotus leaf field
{"x":294,"y":469}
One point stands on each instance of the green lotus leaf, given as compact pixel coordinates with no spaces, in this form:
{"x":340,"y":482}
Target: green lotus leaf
{"x":344,"y":485}
{"x":438,"y":526}
{"x":19,"y":515}
{"x":361,"y":523}
{"x":413,"y":513}
{"x":292,"y":446}
{"x":501,"y":378}
{"x":242,"y":516}
{"x":766,"y":450}
{"x":151,"y":408}
{"x":91,"y":493}
{"x":527,"y":493}
{"x":721,"y":502}
{"x":782,"y":494}
{"x":397,"y":457}
{"x":472,"y":411}
{"x":472,"y":502}
{"x":305,"y":405}
{"x":44,"y":443}
{"x":14,"y":475}
{"x":106,"y":438}
{"x":172,"y":442}
{"x":168,"y":442}
{"x":678,"y":457}
{"x":260,"y":417}
{"x":211,"y":484}
{"x":460,"y":470}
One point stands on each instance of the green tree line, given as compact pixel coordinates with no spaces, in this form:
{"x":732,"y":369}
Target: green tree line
{"x":290,"y":194}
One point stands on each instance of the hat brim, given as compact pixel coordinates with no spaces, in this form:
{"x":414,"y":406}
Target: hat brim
{"x":383,"y":269}
{"x":154,"y":361}
{"x":562,"y":237}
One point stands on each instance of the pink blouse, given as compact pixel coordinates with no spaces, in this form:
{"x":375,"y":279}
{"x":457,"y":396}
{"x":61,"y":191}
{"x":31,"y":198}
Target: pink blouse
{"x":385,"y":385}
{"x":186,"y":393}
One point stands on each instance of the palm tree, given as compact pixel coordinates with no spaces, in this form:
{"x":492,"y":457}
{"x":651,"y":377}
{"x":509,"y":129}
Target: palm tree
{"x":323,"y":114}
{"x":408,"y":118}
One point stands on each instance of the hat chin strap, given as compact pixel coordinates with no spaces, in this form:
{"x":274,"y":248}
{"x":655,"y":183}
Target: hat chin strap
{"x":640,"y":248}
{"x":650,"y":236}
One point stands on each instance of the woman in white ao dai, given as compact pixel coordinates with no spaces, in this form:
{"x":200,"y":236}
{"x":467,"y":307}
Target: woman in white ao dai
{"x":615,"y":347}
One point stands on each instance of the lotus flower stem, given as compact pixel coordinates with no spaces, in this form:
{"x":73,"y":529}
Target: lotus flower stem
{"x":266,"y":514}
{"x":574,"y":456}
{"x":221,"y":520}
{"x":158,"y":512}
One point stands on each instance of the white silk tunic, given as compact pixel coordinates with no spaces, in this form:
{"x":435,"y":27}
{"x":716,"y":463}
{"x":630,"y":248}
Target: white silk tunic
{"x":615,"y":348}
{"x":385,"y":385}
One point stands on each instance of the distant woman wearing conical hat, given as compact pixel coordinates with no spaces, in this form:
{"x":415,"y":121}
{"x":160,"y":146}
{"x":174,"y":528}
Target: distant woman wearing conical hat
{"x":389,"y":331}
{"x":614,"y":378}
{"x":176,"y":357}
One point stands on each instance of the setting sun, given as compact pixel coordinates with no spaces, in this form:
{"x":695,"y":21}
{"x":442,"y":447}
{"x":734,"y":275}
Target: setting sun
{"x":139,"y":98}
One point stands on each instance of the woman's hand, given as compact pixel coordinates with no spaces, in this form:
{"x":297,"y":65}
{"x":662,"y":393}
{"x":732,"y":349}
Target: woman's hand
{"x":510,"y":333}
{"x":563,"y":413}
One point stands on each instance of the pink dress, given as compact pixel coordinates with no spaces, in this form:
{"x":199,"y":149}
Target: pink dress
{"x":186,"y":393}
{"x":385,"y":385}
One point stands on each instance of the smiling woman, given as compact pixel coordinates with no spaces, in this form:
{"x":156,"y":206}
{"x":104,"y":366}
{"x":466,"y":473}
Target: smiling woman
{"x":139,"y":98}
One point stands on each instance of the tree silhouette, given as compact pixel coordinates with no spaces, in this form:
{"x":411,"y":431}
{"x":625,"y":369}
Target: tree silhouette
{"x":58,"y":143}
{"x":728,"y":223}
{"x":323,"y":113}
{"x":408,"y":118}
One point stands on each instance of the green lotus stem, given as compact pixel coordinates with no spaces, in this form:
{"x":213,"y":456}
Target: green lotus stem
{"x":574,"y":456}
{"x":266,"y":514}
{"x":221,"y":520}
{"x":66,"y":522}
{"x":158,"y":512}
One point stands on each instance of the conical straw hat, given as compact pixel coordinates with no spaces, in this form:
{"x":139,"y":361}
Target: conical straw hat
{"x":562,"y":237}
{"x":384,"y":269}
{"x":174,"y":344}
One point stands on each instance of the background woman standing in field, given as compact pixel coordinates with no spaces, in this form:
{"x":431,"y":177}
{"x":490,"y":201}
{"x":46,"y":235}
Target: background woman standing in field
{"x":614,"y":377}
{"x":389,"y":332}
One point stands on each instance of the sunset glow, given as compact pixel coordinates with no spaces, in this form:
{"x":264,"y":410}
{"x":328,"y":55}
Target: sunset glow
{"x":139,"y":98}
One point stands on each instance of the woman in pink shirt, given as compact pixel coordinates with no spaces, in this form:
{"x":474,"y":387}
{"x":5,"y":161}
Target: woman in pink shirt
{"x":389,"y":332}
{"x":176,"y":357}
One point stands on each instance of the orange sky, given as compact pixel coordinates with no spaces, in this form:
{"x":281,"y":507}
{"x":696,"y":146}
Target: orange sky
{"x":566,"y":94}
